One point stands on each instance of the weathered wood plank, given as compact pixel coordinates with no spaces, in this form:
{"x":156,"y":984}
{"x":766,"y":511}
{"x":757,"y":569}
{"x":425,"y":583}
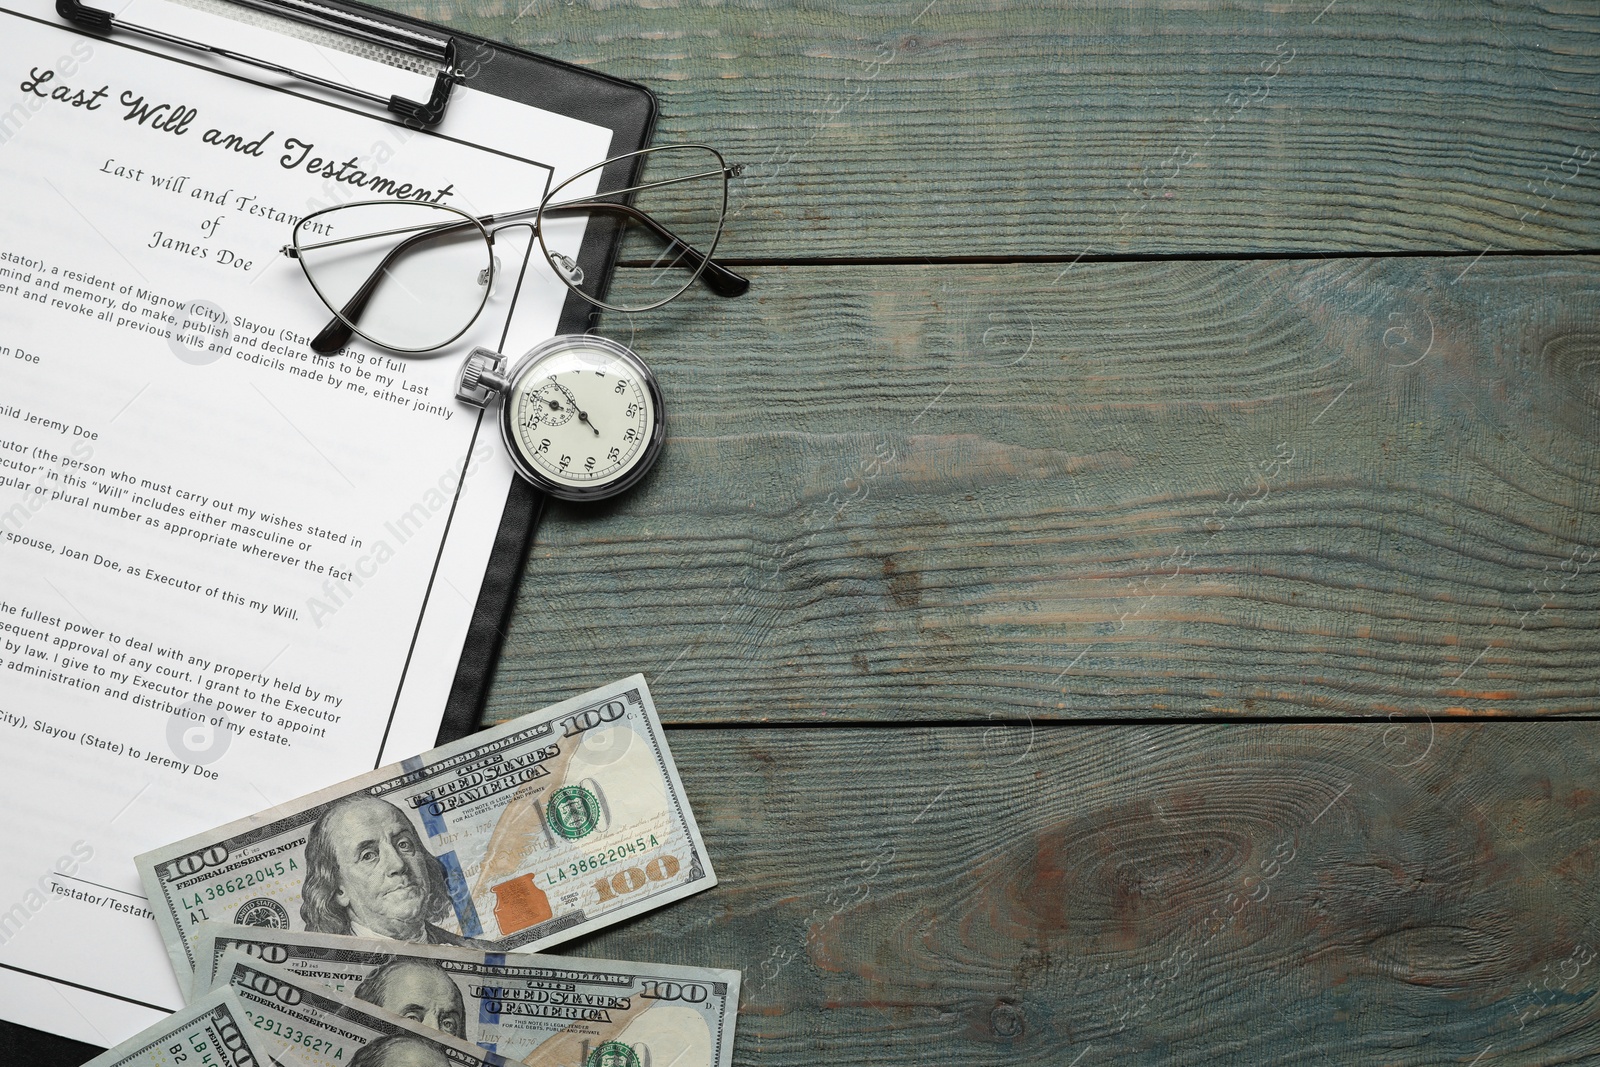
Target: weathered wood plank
{"x":1265,"y":894}
{"x":1358,"y":487}
{"x":976,"y":128}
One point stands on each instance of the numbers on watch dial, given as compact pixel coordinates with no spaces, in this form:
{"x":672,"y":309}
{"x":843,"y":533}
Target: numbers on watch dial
{"x":581,"y":417}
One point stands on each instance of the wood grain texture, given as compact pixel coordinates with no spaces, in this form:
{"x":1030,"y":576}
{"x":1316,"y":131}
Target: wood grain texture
{"x":1174,"y":895}
{"x":1035,"y":127}
{"x":1359,"y":487}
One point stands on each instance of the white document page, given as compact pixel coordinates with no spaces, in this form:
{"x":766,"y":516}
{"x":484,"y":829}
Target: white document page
{"x":231,"y":571}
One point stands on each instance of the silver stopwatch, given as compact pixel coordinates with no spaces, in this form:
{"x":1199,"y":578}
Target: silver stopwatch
{"x":581,"y":416}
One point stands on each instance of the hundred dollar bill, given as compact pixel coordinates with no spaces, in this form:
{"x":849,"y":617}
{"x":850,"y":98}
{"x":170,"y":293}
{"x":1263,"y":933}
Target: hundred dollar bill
{"x":213,"y":1030}
{"x":528,"y":1007}
{"x":525,"y":835}
{"x":303,"y":1024}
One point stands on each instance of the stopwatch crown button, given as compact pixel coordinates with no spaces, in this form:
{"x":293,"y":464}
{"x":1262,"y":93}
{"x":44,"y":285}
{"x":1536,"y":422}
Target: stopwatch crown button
{"x":482,"y":376}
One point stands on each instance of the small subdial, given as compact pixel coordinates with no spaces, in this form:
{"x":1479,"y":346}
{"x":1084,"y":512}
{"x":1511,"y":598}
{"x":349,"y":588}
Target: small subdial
{"x":550,"y":405}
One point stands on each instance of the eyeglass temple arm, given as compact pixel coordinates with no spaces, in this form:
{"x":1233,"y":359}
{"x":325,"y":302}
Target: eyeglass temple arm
{"x":337,"y":333}
{"x":718,"y":279}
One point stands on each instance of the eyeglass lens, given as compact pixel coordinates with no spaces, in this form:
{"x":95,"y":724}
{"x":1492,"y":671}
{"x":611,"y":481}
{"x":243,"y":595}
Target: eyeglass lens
{"x":408,"y":276}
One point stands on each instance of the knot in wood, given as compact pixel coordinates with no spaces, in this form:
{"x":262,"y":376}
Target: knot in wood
{"x":1006,"y":1021}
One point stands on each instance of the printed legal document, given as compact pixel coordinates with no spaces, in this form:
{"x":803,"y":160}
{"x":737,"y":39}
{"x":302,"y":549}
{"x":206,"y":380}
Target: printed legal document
{"x":231,"y":571}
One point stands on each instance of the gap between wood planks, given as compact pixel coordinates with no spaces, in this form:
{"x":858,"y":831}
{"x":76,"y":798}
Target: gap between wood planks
{"x":1129,"y":257}
{"x":1123,"y":720}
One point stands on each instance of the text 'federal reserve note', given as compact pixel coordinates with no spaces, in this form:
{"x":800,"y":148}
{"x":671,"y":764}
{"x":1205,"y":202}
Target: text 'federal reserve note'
{"x":528,"y":1007}
{"x":538,"y":830}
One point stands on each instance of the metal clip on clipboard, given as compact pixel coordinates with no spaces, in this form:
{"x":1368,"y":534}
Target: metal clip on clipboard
{"x":332,"y":20}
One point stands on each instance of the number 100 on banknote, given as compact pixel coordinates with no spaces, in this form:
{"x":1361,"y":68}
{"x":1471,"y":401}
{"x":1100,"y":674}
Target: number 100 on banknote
{"x":543,"y":828}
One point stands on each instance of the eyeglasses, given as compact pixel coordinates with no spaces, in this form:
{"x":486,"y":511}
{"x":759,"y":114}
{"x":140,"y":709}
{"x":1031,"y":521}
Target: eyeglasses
{"x":413,"y":277}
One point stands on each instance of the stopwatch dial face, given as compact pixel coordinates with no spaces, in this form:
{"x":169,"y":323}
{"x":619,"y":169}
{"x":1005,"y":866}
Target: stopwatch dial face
{"x":582,"y":416}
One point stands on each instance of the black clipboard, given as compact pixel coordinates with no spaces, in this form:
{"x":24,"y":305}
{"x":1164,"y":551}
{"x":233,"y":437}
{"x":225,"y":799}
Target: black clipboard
{"x":629,"y":110}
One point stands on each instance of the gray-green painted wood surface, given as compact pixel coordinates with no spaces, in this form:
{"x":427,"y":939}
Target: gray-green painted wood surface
{"x":1355,"y":487}
{"x":1045,"y":127}
{"x":1207,"y":896}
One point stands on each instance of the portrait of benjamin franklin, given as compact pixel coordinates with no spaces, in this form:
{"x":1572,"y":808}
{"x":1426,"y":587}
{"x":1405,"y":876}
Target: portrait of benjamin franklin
{"x":399,"y":1050}
{"x":367,"y":873}
{"x":420,"y":991}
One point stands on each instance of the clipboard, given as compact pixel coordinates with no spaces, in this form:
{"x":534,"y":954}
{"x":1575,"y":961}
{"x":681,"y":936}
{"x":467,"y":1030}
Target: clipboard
{"x":628,"y":109}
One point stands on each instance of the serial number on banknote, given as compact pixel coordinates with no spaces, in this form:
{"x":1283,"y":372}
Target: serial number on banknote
{"x":665,"y":866}
{"x":234,"y":885}
{"x":294,"y":1035}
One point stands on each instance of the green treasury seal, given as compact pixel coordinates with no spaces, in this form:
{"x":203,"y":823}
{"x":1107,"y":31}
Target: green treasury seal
{"x":612,"y":1054}
{"x":573,"y":812}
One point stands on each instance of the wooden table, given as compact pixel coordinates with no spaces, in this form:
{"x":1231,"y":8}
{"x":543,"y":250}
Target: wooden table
{"x":1126,"y":580}
{"x":1127,"y":577}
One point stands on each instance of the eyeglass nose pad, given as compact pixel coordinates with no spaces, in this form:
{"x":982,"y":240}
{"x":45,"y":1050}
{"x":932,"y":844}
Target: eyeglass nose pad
{"x":568,"y":269}
{"x":490,"y":275}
